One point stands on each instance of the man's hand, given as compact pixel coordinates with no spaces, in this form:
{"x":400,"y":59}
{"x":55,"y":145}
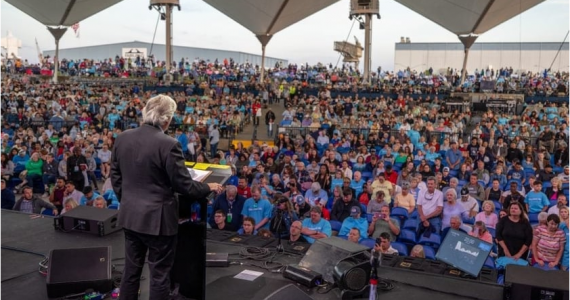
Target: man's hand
{"x":216,"y":187}
{"x":55,"y":212}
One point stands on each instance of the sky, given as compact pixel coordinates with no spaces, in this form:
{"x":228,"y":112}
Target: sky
{"x":310,"y":40}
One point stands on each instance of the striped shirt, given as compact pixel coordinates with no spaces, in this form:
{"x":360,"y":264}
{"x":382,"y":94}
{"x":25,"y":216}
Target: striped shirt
{"x":548,"y":244}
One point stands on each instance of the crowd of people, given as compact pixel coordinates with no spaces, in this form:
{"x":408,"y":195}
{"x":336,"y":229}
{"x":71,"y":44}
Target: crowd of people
{"x":384,"y":172}
{"x":546,"y":83}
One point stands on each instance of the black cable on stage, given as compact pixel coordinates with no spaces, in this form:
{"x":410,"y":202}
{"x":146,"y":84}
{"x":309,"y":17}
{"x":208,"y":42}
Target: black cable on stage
{"x":23,"y":251}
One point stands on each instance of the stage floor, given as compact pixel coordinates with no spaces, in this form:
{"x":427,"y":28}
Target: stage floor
{"x":21,"y":279}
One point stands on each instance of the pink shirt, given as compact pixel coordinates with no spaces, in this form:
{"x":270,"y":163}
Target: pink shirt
{"x":490,"y":220}
{"x":487,"y":237}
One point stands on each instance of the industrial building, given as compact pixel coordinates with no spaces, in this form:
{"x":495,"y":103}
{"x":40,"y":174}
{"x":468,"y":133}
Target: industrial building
{"x":532,"y":57}
{"x":136,"y":48}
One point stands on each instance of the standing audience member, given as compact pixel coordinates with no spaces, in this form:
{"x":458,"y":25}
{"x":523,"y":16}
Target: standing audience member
{"x":514,"y":233}
{"x":548,"y":243}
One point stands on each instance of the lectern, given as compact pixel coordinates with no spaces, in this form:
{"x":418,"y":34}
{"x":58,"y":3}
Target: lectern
{"x":189,"y":270}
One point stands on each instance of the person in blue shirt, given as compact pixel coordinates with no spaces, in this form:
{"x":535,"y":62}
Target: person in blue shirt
{"x":258,"y":209}
{"x":315,"y":195}
{"x":316,"y":227}
{"x":183,"y":140}
{"x":88,"y":196}
{"x":536,"y":201}
{"x":453,"y":157}
{"x":517,"y":172}
{"x":354,"y":221}
{"x":563,"y":212}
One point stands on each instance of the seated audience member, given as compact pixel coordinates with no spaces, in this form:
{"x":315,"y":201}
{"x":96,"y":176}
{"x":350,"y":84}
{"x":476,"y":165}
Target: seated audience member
{"x":100,"y":202}
{"x":455,"y":222}
{"x":405,"y":199}
{"x":89,"y":196}
{"x":494,"y":192}
{"x":221,"y":221}
{"x":562,"y":202}
{"x":475,"y":189}
{"x":564,"y":226}
{"x":69,"y":204}
{"x":257,"y":208}
{"x":301,"y":206}
{"x":381,"y":184}
{"x":295,"y":235}
{"x":469,"y":203}
{"x":57,"y":195}
{"x":452,"y":208}
{"x":316,"y":196}
{"x":248,"y":227}
{"x":488,"y":215}
{"x":265,"y":233}
{"x":555,"y":190}
{"x":32,"y":204}
{"x":341,"y":209}
{"x":283,"y":215}
{"x":316,"y":227}
{"x":8,"y":197}
{"x":430,"y":206}
{"x":382,"y":222}
{"x":354,"y":235}
{"x":514,"y":233}
{"x":383,"y":244}
{"x":536,"y":201}
{"x":231,"y":203}
{"x":548,"y":243}
{"x":70,"y":191}
{"x":480,"y":231}
{"x":354,"y":221}
{"x":418,"y":251}
{"x":377,"y":203}
{"x":366,"y":196}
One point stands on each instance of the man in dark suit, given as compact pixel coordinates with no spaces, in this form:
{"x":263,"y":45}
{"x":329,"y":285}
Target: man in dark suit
{"x":231,"y":204}
{"x":147,"y":169}
{"x":76,"y":164}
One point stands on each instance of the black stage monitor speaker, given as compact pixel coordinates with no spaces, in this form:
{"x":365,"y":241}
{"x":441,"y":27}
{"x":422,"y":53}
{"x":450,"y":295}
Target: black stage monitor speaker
{"x":302,"y":275}
{"x":288,"y":292}
{"x":526,"y":283}
{"x":324,"y":254}
{"x":73,"y":271}
{"x":89,"y":219}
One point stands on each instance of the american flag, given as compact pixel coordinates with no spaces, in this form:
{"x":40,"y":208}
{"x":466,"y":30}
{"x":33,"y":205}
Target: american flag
{"x":75,"y":28}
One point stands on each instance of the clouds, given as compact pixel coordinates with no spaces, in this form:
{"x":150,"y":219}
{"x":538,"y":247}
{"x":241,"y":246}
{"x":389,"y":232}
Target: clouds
{"x":310,"y":40}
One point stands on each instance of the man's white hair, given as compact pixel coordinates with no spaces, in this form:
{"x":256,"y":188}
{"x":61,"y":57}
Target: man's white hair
{"x":159,"y":110}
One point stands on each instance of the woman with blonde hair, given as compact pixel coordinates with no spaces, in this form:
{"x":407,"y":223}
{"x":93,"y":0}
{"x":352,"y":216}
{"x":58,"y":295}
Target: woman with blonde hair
{"x":418,"y":251}
{"x":488,"y":215}
{"x":69,"y":204}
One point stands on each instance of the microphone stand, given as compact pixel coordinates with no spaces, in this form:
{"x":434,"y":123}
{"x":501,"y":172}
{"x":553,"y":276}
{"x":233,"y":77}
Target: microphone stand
{"x":374,"y":275}
{"x":279,"y":247}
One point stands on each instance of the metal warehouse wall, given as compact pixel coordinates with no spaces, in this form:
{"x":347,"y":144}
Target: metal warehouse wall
{"x":520,"y":56}
{"x":111,"y":50}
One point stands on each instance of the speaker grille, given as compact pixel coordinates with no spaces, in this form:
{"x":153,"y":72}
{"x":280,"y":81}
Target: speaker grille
{"x":355,"y":279}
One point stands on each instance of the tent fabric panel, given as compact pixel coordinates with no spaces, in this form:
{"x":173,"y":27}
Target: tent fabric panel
{"x":50,"y":13}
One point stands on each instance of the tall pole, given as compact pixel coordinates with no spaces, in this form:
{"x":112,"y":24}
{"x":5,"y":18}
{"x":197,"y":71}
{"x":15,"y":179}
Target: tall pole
{"x":467,"y":41}
{"x":367,"y":46}
{"x":262,"y":64}
{"x":168,"y":9}
{"x":57,"y":33}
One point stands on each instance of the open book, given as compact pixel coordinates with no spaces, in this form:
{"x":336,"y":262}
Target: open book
{"x":199,"y":175}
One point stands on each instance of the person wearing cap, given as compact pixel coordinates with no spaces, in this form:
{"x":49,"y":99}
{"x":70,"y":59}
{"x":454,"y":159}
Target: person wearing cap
{"x":405,"y":199}
{"x":469,"y":203}
{"x":536,"y":201}
{"x":316,"y":227}
{"x":342,"y":209}
{"x":257,"y":208}
{"x":301,"y":206}
{"x":316,"y":196}
{"x":381,"y":184}
{"x":354,"y":221}
{"x":8,"y":198}
{"x":283,"y":216}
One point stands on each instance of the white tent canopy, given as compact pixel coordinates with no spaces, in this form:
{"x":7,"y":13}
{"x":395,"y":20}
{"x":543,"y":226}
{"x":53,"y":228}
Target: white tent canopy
{"x":61,"y":14}
{"x":467,"y":18}
{"x":266,"y":17}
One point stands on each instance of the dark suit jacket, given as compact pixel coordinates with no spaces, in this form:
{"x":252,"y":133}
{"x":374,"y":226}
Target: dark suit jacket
{"x":221,"y":203}
{"x":147,"y":169}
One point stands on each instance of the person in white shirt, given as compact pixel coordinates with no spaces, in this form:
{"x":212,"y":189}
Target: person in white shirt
{"x":430,"y":206}
{"x":105,"y":156}
{"x":561,"y":202}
